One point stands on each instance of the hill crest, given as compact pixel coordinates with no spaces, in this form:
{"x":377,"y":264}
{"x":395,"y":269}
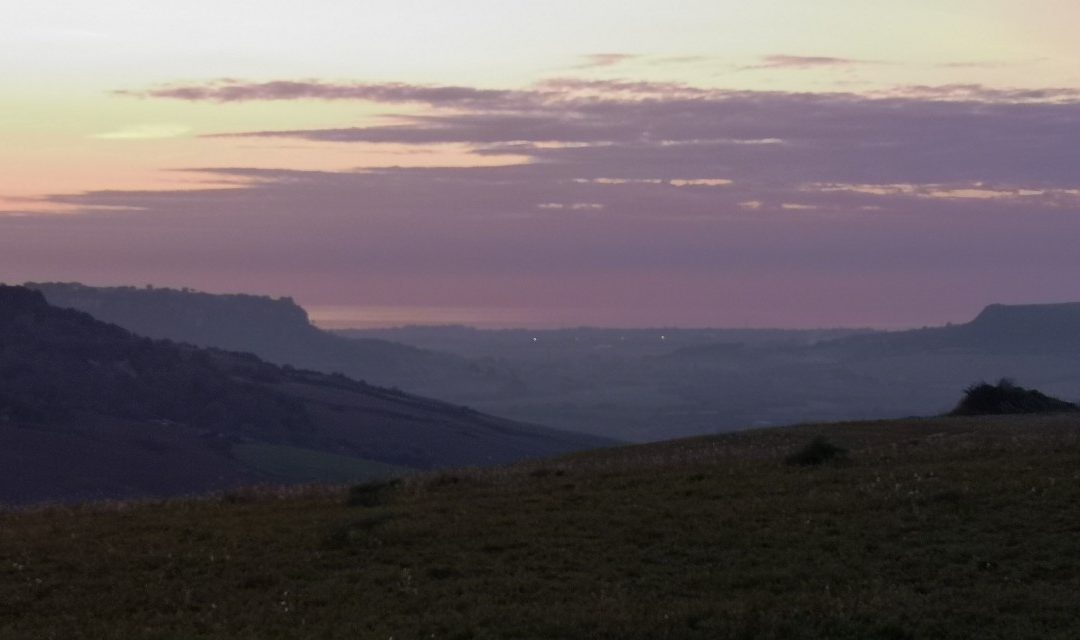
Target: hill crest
{"x":88,"y":409}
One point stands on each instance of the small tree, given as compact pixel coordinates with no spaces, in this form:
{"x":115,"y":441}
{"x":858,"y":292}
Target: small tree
{"x":818,"y":451}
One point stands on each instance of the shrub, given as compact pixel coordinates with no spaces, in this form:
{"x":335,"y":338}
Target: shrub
{"x":371,"y":494}
{"x":1006,"y":397}
{"x":817,"y":451}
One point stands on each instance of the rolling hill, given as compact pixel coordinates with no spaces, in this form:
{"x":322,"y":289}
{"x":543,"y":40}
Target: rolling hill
{"x":998,"y":329}
{"x":90,"y":410}
{"x":278,"y":331}
{"x":643,"y":384}
{"x":936,"y":528}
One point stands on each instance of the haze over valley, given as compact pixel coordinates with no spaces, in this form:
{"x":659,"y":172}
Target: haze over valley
{"x":630,"y":384}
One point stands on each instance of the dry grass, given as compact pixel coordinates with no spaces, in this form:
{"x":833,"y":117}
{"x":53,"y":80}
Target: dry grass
{"x":948,"y":528}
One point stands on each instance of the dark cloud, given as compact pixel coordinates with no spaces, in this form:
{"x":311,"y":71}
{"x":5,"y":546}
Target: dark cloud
{"x":953,"y":134}
{"x":472,"y":129}
{"x":229,"y":90}
{"x":958,"y":133}
{"x":548,"y":92}
{"x":771,"y":144}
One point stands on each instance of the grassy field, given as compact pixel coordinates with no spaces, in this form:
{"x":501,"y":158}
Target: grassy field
{"x":294,"y":463}
{"x":944,"y":528}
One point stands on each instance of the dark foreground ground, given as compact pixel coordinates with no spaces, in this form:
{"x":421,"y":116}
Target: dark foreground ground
{"x":945,"y":528}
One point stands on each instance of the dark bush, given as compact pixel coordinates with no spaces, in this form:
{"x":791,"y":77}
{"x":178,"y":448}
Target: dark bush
{"x":1006,"y":397}
{"x":371,"y":494}
{"x":817,"y":451}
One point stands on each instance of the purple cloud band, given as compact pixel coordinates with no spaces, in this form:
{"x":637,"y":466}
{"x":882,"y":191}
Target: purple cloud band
{"x":239,"y":91}
{"x":691,"y":203}
{"x":562,"y":93}
{"x":949,"y":134}
{"x":672,"y":194}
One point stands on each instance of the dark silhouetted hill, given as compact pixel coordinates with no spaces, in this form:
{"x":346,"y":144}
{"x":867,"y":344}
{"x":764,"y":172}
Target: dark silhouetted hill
{"x":1034,"y":328}
{"x":277,"y":330}
{"x":998,"y":329}
{"x":88,"y":409}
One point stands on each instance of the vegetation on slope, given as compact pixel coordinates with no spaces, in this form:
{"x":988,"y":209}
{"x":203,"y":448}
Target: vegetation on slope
{"x":60,"y":366}
{"x":89,"y":410}
{"x":296,"y":464}
{"x":278,"y":331}
{"x":1006,"y":397}
{"x":941,"y":528}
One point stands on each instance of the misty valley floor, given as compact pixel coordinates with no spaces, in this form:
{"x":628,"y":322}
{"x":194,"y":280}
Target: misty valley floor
{"x":943,"y":528}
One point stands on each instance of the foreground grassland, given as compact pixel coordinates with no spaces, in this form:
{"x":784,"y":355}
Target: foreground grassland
{"x":292,"y":464}
{"x":949,"y":528}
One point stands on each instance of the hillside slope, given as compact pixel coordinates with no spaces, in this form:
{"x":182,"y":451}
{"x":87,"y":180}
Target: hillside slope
{"x":997,"y":330}
{"x":88,"y":409}
{"x":276,"y":330}
{"x":944,"y":528}
{"x":657,"y":384}
{"x":882,"y":374}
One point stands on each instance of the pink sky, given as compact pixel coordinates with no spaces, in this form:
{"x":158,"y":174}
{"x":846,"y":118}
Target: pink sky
{"x":646,"y":174}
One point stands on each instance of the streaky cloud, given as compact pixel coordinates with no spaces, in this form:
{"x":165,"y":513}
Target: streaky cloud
{"x":781,"y":61}
{"x":955,"y":133}
{"x":230,"y":90}
{"x":984,"y":94}
{"x":599,"y":60}
{"x":620,"y":188}
{"x":145,"y":132}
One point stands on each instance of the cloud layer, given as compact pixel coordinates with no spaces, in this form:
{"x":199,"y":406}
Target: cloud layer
{"x":964,"y":135}
{"x":237,"y":91}
{"x":714,"y":206}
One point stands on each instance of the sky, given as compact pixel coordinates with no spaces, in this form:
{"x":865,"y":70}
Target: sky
{"x":620,"y":163}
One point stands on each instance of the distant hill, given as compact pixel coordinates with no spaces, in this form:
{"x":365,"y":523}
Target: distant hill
{"x":541,"y":344}
{"x":651,"y":384}
{"x":636,"y":384}
{"x":88,"y":409}
{"x":998,"y":329}
{"x":1032,"y":327}
{"x":277,"y":330}
{"x":880,"y":374}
